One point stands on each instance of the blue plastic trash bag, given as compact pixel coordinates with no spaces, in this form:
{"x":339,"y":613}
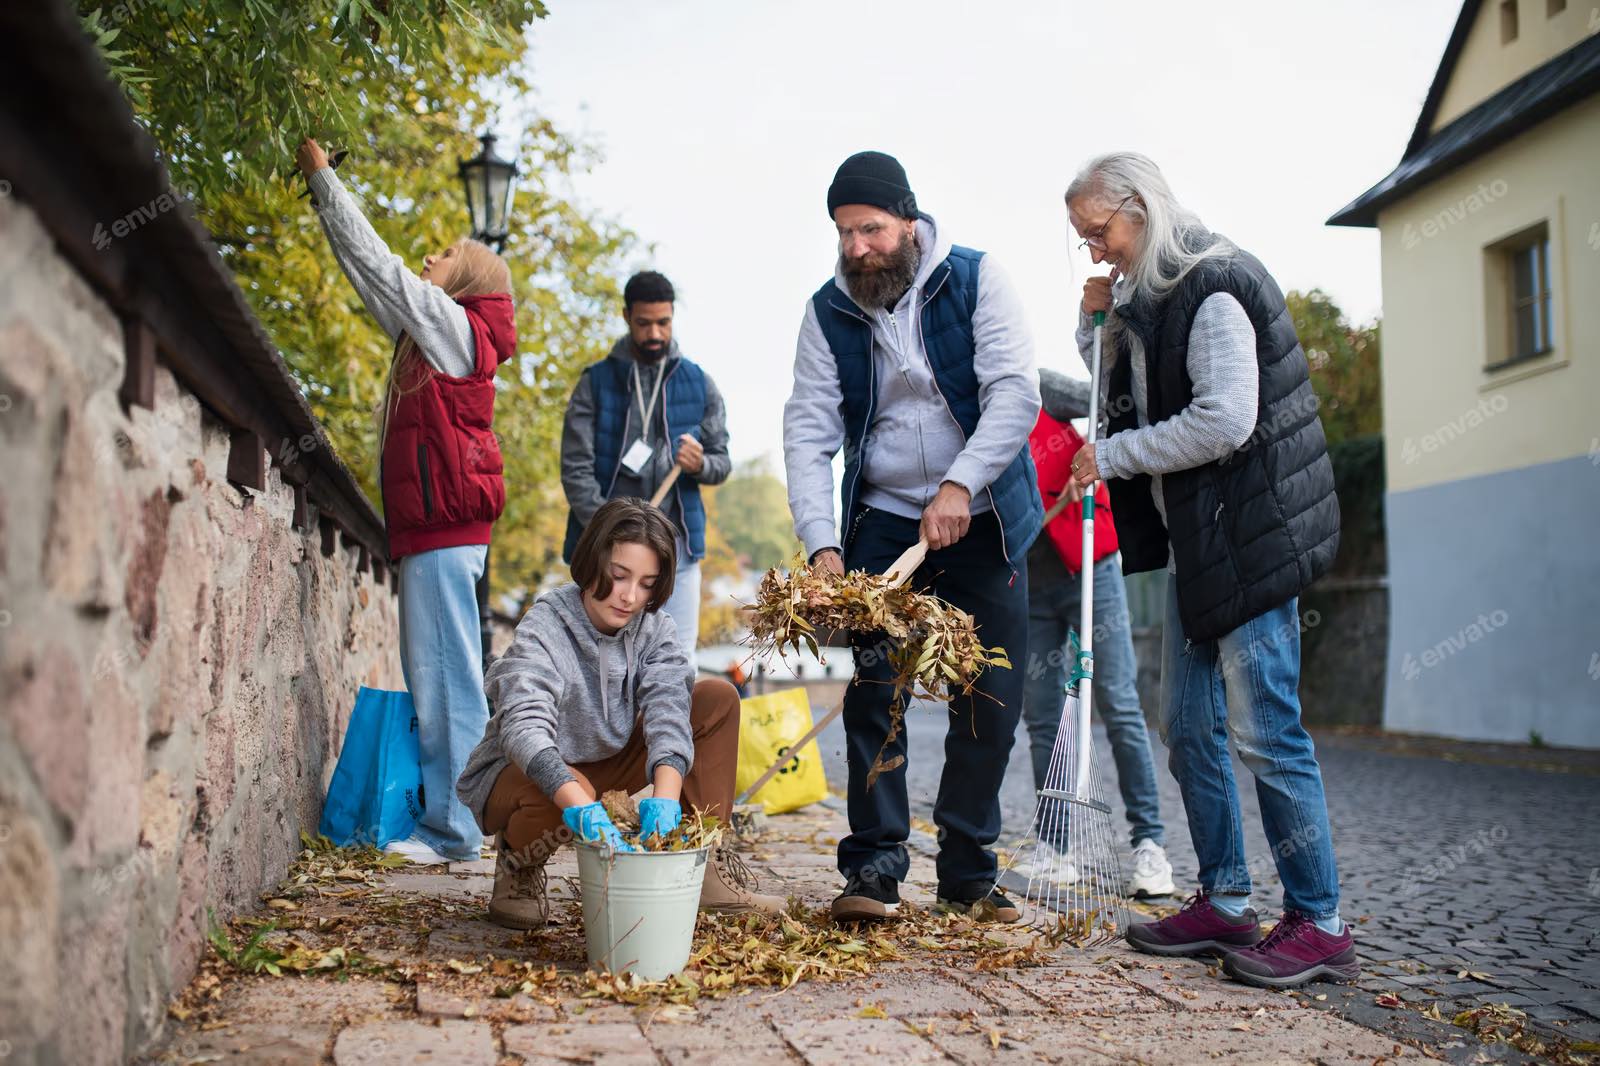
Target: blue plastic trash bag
{"x":376,"y":792}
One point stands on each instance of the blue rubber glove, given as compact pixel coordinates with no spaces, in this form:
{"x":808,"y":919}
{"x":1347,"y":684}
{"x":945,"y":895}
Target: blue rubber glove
{"x":591,"y":822}
{"x":658,"y":816}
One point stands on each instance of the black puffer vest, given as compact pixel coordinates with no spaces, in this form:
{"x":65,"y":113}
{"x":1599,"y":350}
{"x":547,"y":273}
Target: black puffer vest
{"x":1252,"y":530}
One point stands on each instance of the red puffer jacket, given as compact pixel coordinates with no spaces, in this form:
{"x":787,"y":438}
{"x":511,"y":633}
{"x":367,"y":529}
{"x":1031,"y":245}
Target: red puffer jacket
{"x":441,"y":472}
{"x":1053,"y":445}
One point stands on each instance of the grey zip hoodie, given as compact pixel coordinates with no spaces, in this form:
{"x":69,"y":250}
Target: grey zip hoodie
{"x":564,"y":693}
{"x":914,"y":443}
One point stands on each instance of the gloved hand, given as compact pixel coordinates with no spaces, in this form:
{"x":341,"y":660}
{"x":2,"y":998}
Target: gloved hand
{"x":591,"y":822}
{"x":658,"y":816}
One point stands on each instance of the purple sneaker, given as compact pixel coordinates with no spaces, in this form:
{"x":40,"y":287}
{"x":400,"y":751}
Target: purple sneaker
{"x":1295,"y":952}
{"x":1197,"y":929}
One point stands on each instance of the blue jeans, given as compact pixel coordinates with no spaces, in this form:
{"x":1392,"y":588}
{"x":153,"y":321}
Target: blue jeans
{"x":441,"y":654}
{"x":971,"y":574}
{"x":1053,"y":599}
{"x":683,"y":606}
{"x":1245,"y":685}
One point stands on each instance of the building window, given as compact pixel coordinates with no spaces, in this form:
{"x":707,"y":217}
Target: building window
{"x":1508,"y":21}
{"x":1530,"y":300}
{"x":1519,"y":298}
{"x":1552,"y":8}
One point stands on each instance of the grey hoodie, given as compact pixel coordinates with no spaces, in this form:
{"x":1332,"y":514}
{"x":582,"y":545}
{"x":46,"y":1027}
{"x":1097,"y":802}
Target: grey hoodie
{"x":914,"y":443}
{"x":564,"y":693}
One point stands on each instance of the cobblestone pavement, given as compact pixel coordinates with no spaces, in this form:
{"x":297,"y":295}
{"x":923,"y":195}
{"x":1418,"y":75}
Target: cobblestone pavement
{"x":1446,"y":865}
{"x":1110,"y":1006}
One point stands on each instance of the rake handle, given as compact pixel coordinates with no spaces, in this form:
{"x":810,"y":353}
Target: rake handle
{"x":1086,"y":573}
{"x":906,"y":565}
{"x":792,"y":754}
{"x":666,"y":485}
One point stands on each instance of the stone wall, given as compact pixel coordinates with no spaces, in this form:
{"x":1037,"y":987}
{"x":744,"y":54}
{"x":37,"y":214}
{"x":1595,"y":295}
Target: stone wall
{"x":177,"y":665}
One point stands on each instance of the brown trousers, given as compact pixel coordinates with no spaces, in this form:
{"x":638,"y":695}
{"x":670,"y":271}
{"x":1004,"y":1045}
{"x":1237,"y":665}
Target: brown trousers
{"x":520,"y":810}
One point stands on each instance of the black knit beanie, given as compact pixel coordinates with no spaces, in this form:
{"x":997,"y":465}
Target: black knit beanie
{"x":875,"y":179}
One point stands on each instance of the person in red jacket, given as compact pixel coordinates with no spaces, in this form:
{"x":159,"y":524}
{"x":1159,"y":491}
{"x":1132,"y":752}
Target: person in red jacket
{"x":440,"y":475}
{"x":1054,"y":563}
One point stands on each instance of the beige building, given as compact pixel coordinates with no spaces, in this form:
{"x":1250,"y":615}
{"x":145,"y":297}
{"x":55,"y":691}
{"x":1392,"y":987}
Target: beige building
{"x":1490,"y":238}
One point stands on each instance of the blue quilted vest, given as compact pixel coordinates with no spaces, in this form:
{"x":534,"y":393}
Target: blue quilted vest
{"x":683,"y":406}
{"x":949,"y":299}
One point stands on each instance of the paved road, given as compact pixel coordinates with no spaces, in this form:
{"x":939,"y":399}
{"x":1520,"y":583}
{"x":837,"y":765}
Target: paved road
{"x":1453,"y":865}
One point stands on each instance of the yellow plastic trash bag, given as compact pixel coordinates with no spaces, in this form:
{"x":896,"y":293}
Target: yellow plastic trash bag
{"x":767,"y":726}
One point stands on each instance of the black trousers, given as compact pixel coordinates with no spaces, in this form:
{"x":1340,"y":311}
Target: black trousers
{"x":972,"y":574}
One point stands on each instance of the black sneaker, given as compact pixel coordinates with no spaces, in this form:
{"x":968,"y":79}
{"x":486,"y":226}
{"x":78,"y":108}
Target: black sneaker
{"x":867,"y":896}
{"x":991,"y":907}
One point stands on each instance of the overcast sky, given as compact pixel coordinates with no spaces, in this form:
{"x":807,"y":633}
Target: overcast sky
{"x":722,"y":124}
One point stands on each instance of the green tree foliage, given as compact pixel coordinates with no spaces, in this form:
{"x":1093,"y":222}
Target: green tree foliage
{"x":228,"y":87}
{"x":720,"y":621}
{"x":1345,"y":371}
{"x":753,"y":516}
{"x":1344,"y":365}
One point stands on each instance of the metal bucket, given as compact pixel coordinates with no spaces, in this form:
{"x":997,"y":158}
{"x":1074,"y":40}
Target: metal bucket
{"x":639,"y":908}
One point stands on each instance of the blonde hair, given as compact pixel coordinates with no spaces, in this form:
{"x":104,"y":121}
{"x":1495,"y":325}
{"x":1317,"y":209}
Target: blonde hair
{"x":474,"y":270}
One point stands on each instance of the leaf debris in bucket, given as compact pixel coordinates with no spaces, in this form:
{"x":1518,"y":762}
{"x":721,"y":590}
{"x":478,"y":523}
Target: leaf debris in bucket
{"x":697,"y":829}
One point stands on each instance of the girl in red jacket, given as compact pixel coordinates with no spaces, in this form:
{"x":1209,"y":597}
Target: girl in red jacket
{"x":441,"y":479}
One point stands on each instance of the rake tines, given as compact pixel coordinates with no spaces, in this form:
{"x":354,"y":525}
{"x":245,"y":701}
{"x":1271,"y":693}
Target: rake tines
{"x":1071,"y":856}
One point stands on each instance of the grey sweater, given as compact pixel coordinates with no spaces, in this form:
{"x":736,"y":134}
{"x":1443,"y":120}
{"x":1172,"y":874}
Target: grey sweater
{"x":564,"y":693}
{"x":400,"y":300}
{"x":914,"y":443}
{"x":1221,"y":363}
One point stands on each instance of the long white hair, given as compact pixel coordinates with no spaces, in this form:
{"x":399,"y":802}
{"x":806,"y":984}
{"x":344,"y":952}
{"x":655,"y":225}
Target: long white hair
{"x":1172,"y":239}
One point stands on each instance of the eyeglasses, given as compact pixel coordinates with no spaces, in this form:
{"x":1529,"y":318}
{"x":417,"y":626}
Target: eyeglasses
{"x":1096,"y":239}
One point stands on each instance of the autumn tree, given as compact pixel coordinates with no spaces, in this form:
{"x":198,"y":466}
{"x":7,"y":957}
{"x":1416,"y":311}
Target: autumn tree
{"x":720,"y":621}
{"x":1344,"y":365}
{"x":753,"y":515}
{"x":228,"y":87}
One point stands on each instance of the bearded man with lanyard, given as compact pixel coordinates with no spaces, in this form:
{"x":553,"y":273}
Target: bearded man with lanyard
{"x":633,"y":416}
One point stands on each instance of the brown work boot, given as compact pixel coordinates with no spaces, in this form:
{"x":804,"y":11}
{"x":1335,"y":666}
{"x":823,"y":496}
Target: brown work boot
{"x":519,"y":900}
{"x":730,"y":886}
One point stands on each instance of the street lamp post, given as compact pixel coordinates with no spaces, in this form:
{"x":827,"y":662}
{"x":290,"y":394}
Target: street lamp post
{"x":487,"y":180}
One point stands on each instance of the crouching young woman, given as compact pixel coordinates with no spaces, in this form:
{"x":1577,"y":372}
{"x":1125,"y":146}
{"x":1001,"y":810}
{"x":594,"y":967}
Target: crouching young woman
{"x":595,"y":694}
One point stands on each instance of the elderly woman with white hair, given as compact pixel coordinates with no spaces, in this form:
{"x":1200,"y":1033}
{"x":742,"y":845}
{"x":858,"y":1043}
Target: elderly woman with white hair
{"x":1219,"y":472}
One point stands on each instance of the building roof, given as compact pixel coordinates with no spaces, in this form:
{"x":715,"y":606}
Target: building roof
{"x":1568,"y":78}
{"x":73,"y":152}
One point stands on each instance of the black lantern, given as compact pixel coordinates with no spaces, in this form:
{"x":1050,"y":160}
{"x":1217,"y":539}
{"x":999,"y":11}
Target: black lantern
{"x":487,"y":179}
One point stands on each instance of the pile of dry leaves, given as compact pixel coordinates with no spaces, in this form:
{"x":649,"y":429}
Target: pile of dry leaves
{"x":932,"y":648}
{"x":1499,"y":1023}
{"x":697,"y":829}
{"x":337,"y":915}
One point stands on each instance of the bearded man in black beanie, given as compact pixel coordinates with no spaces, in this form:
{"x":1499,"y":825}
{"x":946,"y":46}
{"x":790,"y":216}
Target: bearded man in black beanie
{"x":916,"y":360}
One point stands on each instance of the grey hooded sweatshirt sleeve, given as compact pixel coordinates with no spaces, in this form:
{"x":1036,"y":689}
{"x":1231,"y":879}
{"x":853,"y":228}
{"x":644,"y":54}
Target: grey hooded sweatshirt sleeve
{"x":1219,"y":418}
{"x":565,"y":693}
{"x":400,"y":300}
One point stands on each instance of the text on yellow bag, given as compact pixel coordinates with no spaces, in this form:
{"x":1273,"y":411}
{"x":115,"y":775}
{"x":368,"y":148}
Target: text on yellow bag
{"x":768,"y":726}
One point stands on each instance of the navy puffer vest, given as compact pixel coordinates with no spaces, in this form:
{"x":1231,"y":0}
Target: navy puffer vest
{"x":683,"y":406}
{"x":949,"y":299}
{"x":1253,"y":530}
